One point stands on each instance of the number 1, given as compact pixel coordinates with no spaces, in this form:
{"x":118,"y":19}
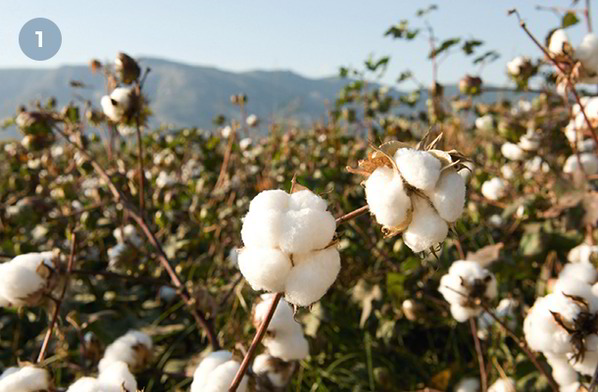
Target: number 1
{"x":40,"y":38}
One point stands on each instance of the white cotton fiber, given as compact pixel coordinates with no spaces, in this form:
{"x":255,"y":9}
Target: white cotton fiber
{"x":494,"y":189}
{"x":587,"y":53}
{"x":386,"y":197}
{"x":584,"y":272}
{"x":562,"y":371}
{"x":462,"y":314}
{"x":133,"y":348}
{"x":306,"y":230}
{"x":265,"y":268}
{"x":503,"y":385}
{"x":7,"y":372}
{"x":270,"y":200}
{"x":115,"y":105}
{"x":312,"y":276}
{"x":282,"y":319}
{"x":485,"y":123}
{"x":85,"y":384}
{"x":419,"y":168}
{"x":222,"y":376}
{"x":582,"y":253}
{"x":263,"y":364}
{"x":427,"y":228}
{"x":306,"y":199}
{"x":262,"y":228}
{"x":468,"y":385}
{"x":541,"y":331}
{"x":207,"y":366}
{"x":512,"y":151}
{"x":514,"y":66}
{"x":288,"y":347}
{"x":19,"y":277}
{"x":589,"y":161}
{"x":448,"y":197}
{"x":113,"y":377}
{"x":26,"y":379}
{"x":557,"y":41}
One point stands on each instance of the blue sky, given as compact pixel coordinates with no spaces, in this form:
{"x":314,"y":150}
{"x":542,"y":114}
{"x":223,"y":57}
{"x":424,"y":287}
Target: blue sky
{"x":311,"y":37}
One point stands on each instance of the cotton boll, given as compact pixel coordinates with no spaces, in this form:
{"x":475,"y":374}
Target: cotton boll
{"x":18,"y":283}
{"x":582,"y":253}
{"x":271,"y":200}
{"x":485,"y":123}
{"x":133,"y":348}
{"x":26,"y":379}
{"x":278,"y":372}
{"x":514,"y":66}
{"x":584,"y":272}
{"x":449,"y":196}
{"x":7,"y":372}
{"x":306,"y":199}
{"x":494,"y":189}
{"x":312,"y":276}
{"x":590,"y":359}
{"x":207,"y":366}
{"x":262,"y":228}
{"x":288,"y":347}
{"x":562,"y":371}
{"x":575,"y":387}
{"x":115,"y":376}
{"x":85,"y":384}
{"x":419,"y":168}
{"x":462,"y":314}
{"x":426,"y":229}
{"x":468,"y":385}
{"x":542,"y":332}
{"x":503,"y":385}
{"x":282,"y":319}
{"x":220,"y":378}
{"x":115,"y":105}
{"x":306,"y":230}
{"x":512,"y":151}
{"x":587,"y":53}
{"x":265,"y":268}
{"x":386,"y":197}
{"x":529,"y":142}
{"x":507,"y":172}
{"x":589,"y":161}
{"x":557,"y":42}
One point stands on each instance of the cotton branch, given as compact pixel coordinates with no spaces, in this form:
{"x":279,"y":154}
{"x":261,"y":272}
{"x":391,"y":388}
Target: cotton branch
{"x":478,"y":349}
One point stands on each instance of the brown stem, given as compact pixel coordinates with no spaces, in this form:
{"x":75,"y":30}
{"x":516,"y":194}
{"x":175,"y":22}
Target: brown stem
{"x":256,"y":341}
{"x":140,"y":164}
{"x":44,"y":348}
{"x":353,"y":214}
{"x":226,"y":158}
{"x":587,"y":14}
{"x":118,"y":196}
{"x":523,"y":346}
{"x":478,"y":349}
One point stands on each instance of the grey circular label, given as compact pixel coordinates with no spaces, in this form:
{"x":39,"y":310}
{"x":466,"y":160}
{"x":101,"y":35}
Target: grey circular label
{"x":40,"y":39}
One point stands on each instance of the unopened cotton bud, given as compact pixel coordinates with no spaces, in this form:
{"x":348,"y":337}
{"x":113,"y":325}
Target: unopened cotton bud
{"x":426,"y":229}
{"x":386,"y":197}
{"x":419,"y":168}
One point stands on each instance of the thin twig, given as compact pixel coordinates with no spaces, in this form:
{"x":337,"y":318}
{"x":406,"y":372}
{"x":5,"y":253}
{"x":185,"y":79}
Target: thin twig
{"x":140,"y":165}
{"x":256,"y":341}
{"x":353,"y":214}
{"x":588,"y":16}
{"x":71,"y":261}
{"x":478,"y":349}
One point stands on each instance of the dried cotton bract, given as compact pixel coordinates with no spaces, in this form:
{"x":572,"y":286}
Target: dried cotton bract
{"x":216,"y":372}
{"x":26,"y":278}
{"x":287,"y":241}
{"x":465,"y":286}
{"x":418,"y":193}
{"x":133,"y":348}
{"x":25,"y":379}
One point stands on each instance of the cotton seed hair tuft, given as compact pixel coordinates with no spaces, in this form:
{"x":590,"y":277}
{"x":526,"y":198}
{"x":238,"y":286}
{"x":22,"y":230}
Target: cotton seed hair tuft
{"x":287,"y":241}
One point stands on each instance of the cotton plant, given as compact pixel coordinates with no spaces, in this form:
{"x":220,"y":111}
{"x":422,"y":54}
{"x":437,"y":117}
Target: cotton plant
{"x":414,"y":192}
{"x":563,"y":325}
{"x":466,"y":286}
{"x":288,"y":245}
{"x":26,"y":379}
{"x":216,"y":372}
{"x":27,"y":279}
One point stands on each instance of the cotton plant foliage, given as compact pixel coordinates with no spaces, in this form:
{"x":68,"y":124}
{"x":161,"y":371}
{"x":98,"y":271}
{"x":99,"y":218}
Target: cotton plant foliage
{"x":288,"y":245}
{"x":416,"y":192}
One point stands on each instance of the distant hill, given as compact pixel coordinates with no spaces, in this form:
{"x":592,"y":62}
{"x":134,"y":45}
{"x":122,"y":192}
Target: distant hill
{"x":185,"y":95}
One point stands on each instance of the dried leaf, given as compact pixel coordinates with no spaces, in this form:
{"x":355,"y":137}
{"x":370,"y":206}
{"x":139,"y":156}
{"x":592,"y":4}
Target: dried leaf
{"x":486,"y":255}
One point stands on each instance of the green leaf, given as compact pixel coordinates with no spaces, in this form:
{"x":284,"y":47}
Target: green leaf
{"x":394,"y":286}
{"x":445,"y":45}
{"x":489,"y":56}
{"x":374,"y":65}
{"x":424,"y":11}
{"x":569,"y":19}
{"x":401,"y":30}
{"x":470,"y":45}
{"x":343,"y":72}
{"x":404,"y":76}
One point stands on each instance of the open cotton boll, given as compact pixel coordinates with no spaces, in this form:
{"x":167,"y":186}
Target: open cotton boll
{"x":18,"y":284}
{"x":262,"y":228}
{"x":512,"y":151}
{"x":485,"y":123}
{"x":265,"y":268}
{"x":386,"y":197}
{"x":312,"y":275}
{"x":494,"y":189}
{"x":530,"y":141}
{"x":503,"y":385}
{"x":426,"y":229}
{"x":85,"y":384}
{"x":462,"y":314}
{"x":588,"y":365}
{"x":221,"y":377}
{"x":115,"y":376}
{"x":589,"y":161}
{"x":130,"y":235}
{"x":582,"y":253}
{"x":587,"y":53}
{"x":282,"y":319}
{"x":419,"y":168}
{"x":557,"y":41}
{"x":116,"y":105}
{"x":468,"y":385}
{"x":449,"y":195}
{"x":306,"y":230}
{"x":306,"y":199}
{"x":26,"y":379}
{"x":7,"y":372}
{"x":562,"y":371}
{"x":270,"y":200}
{"x":584,"y":272}
{"x":133,"y":348}
{"x":278,"y":372}
{"x":514,"y":66}
{"x":288,"y":347}
{"x":207,"y":366}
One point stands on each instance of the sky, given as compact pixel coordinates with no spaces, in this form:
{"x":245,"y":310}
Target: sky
{"x":311,"y":37}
